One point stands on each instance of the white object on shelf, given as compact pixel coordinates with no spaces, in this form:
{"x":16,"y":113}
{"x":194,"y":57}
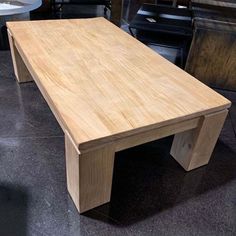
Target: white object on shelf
{"x":12,"y":7}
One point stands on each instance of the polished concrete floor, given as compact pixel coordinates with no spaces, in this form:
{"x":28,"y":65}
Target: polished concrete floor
{"x":151,"y":193}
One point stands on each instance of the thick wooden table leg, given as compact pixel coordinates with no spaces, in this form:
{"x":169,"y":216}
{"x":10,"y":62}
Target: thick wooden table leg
{"x":193,"y":148}
{"x":21,"y":72}
{"x":89,"y":175}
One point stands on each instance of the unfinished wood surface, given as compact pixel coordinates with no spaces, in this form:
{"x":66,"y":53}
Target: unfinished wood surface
{"x":148,"y":136}
{"x":193,"y":148}
{"x":102,"y":84}
{"x":21,"y":72}
{"x":89,"y":176}
{"x":151,"y":135}
{"x":109,"y":92}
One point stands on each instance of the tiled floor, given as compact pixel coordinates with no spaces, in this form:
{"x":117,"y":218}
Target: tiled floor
{"x":151,"y":194}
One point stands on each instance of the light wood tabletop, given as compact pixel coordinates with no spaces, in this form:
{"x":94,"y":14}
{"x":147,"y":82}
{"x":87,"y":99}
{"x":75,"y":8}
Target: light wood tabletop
{"x":110,"y":92}
{"x":104,"y":83}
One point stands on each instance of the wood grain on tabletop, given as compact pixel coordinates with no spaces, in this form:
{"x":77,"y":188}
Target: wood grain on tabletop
{"x":103,"y":83}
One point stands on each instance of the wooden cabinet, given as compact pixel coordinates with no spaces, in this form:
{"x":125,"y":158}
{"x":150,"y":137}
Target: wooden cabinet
{"x":212,"y":55}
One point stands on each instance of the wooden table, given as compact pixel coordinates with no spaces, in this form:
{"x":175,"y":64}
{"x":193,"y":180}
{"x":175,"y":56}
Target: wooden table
{"x":110,"y":92}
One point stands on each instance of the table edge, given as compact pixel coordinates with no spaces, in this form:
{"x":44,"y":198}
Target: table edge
{"x":95,"y":143}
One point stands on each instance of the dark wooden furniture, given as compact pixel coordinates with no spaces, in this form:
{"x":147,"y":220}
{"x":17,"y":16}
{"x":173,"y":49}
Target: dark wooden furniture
{"x":172,"y":27}
{"x":169,"y":20}
{"x":215,"y":10}
{"x":212,"y":55}
{"x":117,"y":7}
{"x":57,"y":4}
